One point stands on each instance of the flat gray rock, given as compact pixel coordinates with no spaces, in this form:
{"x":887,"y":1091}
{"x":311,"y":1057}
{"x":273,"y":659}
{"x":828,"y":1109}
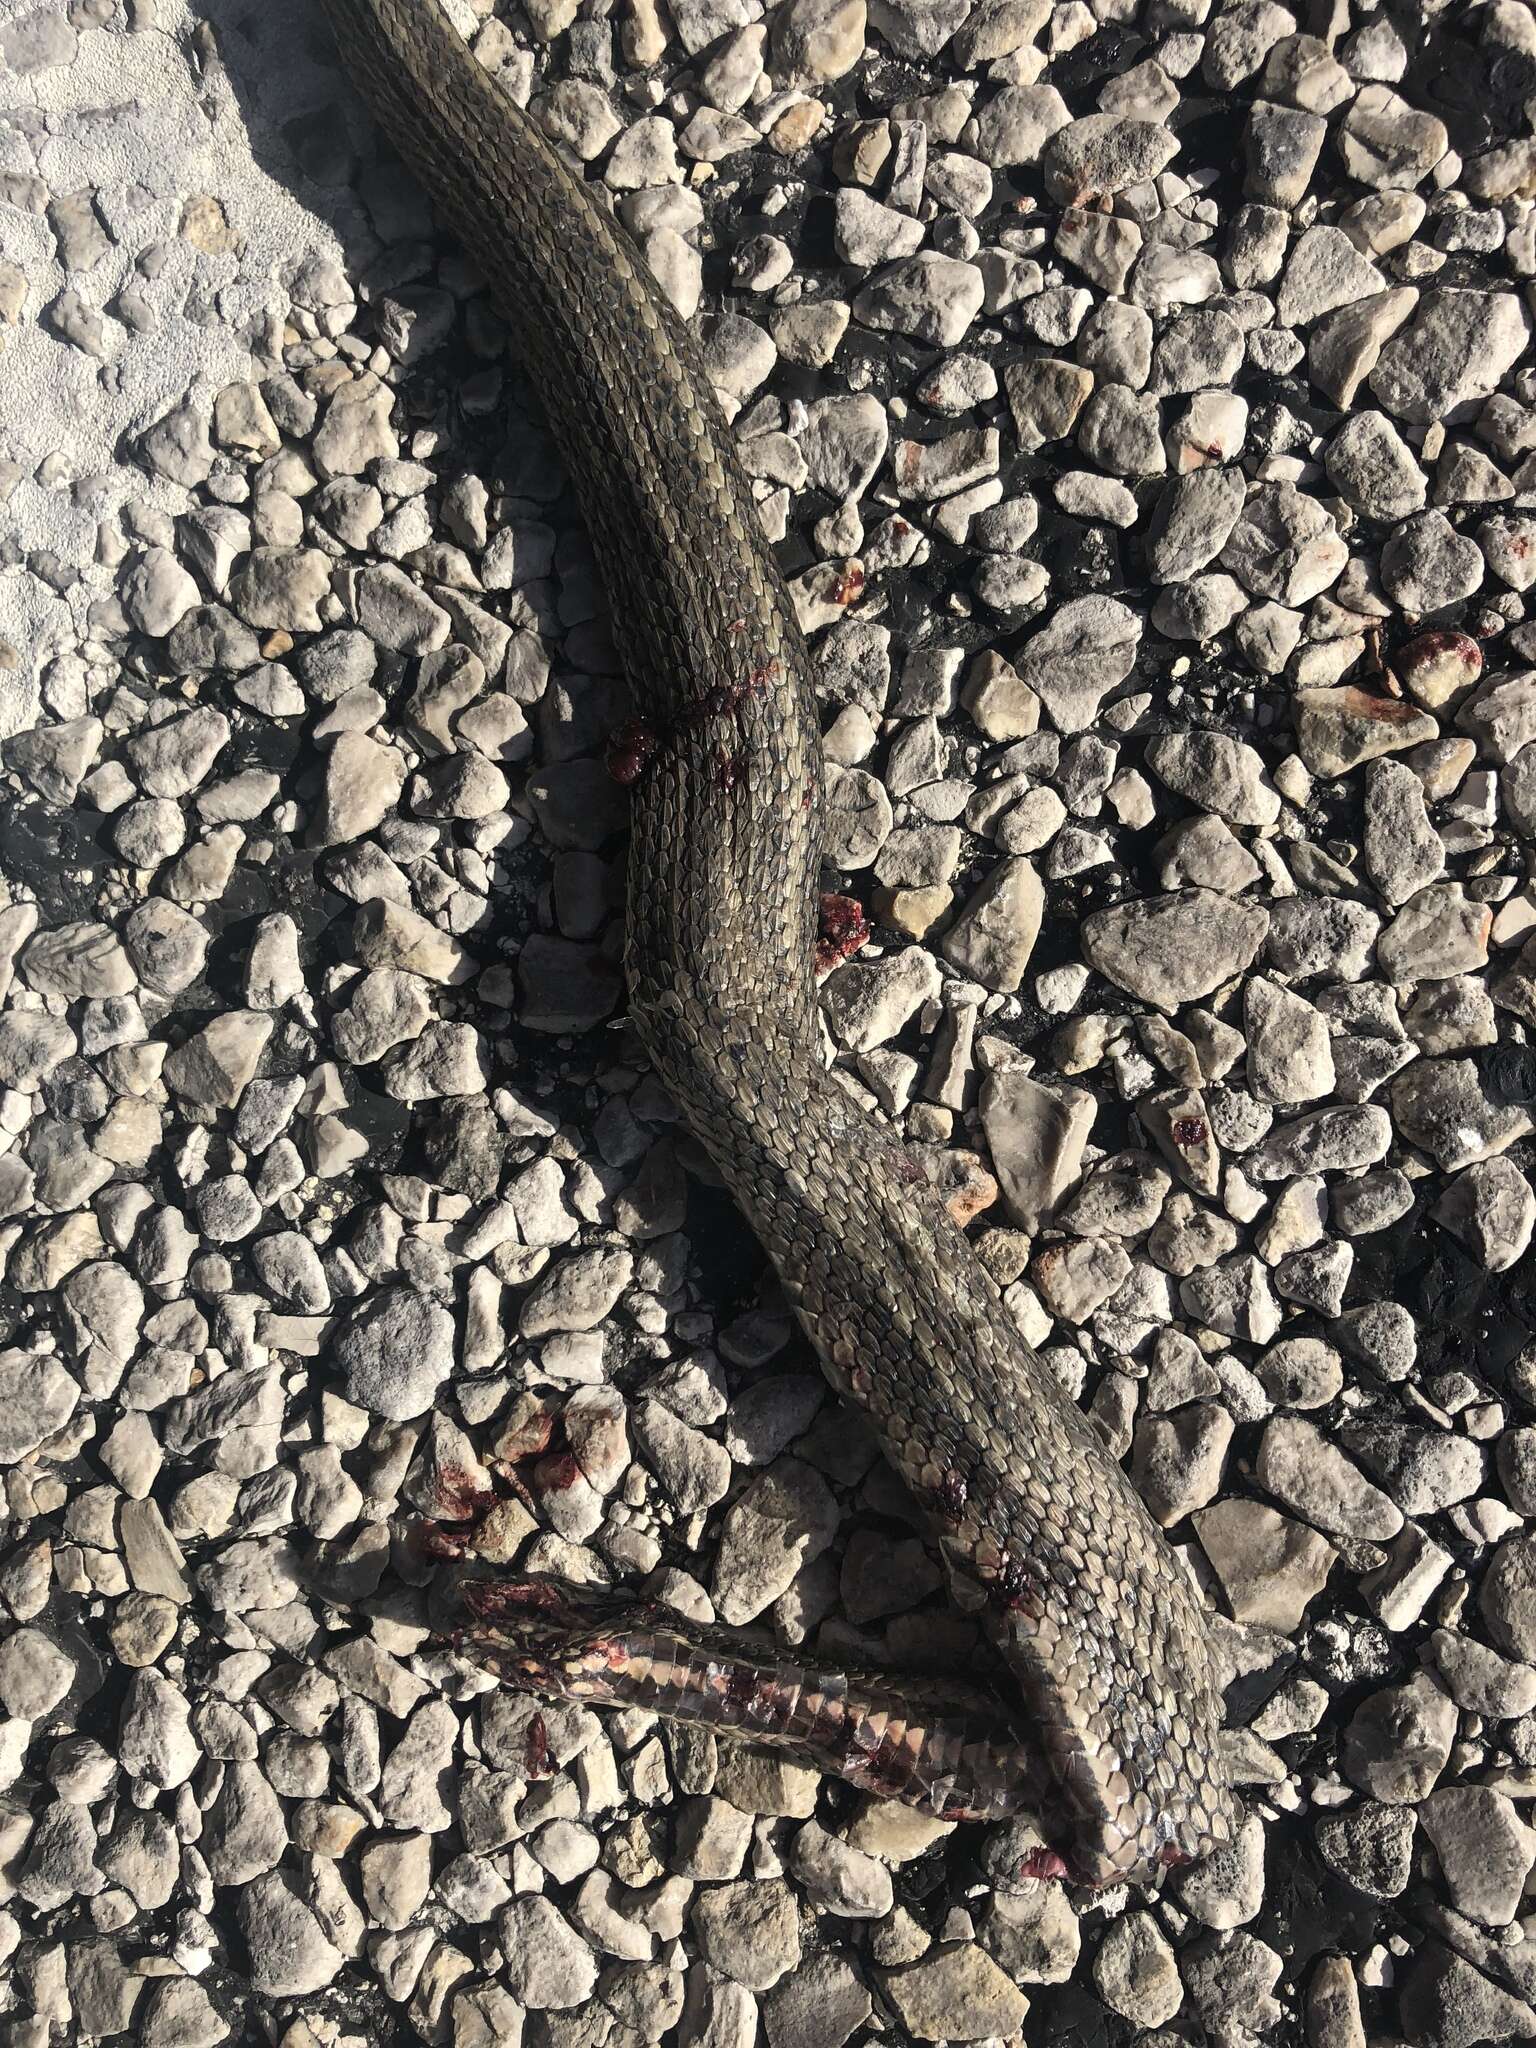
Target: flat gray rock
{"x":1171,"y":950}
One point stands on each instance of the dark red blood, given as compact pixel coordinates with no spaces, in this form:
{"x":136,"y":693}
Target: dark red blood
{"x":723,"y":698}
{"x":556,"y":1474}
{"x":872,"y":1766}
{"x":1426,"y":649}
{"x":429,"y":1539}
{"x":843,"y":930}
{"x":730,"y":770}
{"x":458,"y":1496}
{"x":1018,"y":1586}
{"x":532,"y":1439}
{"x":1189,"y":1130}
{"x":631,"y":750}
{"x":1043,"y":1863}
{"x":850,"y":584}
{"x":495,"y":1599}
{"x":1172,"y":1857}
{"x":907,"y":1168}
{"x":951,"y":1495}
{"x":536,"y":1763}
{"x":883,"y":1776}
{"x":1014,"y":1589}
{"x":740,"y":1686}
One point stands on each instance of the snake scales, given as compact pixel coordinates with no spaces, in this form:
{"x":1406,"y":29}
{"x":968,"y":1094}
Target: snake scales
{"x":1043,"y":1536}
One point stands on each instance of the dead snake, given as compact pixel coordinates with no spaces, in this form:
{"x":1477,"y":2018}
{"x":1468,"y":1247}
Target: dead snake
{"x":1042,"y":1534}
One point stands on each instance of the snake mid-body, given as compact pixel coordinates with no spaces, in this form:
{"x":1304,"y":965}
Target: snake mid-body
{"x":1042,"y":1534}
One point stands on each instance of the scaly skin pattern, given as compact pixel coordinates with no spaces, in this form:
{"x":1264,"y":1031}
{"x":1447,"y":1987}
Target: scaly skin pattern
{"x":1043,"y":1535}
{"x":948,"y":1750}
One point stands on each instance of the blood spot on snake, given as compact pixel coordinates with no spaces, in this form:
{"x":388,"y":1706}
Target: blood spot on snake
{"x":950,"y":1496}
{"x":631,"y":750}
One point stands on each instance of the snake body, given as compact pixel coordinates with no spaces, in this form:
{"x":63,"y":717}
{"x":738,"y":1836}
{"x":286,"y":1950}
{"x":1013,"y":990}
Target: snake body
{"x":1043,"y":1537}
{"x":948,"y":1748}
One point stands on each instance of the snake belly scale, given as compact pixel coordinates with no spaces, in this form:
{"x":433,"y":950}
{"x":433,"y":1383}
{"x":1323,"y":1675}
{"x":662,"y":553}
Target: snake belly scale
{"x":1043,"y":1537}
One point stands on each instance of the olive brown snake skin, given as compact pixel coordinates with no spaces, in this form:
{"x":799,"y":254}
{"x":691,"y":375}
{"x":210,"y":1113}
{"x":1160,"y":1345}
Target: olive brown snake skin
{"x":1044,"y":1538}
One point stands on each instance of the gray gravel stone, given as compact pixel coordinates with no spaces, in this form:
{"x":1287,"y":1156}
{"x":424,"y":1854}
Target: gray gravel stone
{"x":1136,"y":1971}
{"x":993,"y":938}
{"x":213,"y":1068}
{"x":783,"y":1520}
{"x":1036,"y":1137}
{"x":1171,"y":950}
{"x":1323,"y":272}
{"x":1371,"y":1846}
{"x":1427,"y":564}
{"x":1073,"y":662}
{"x":1486,"y":1851}
{"x":841,"y":1880}
{"x":246,"y":1832}
{"x":750,"y":1931}
{"x":1448,"y":2002}
{"x":1016,"y":124}
{"x":1284,"y":546}
{"x":362,"y":786}
{"x":820,"y":2006}
{"x":37,"y":1398}
{"x":35,"y":1674}
{"x":1270,"y":1567}
{"x":1402,"y":849}
{"x":1439,"y":1106}
{"x":1452,"y":354}
{"x":1301,"y":1468}
{"x":1194,"y":522}
{"x":954,"y":1992}
{"x":1373,"y":468}
{"x":290,"y":1954}
{"x":1491,"y":1209}
{"x":930,"y":298}
{"x":1282,"y":145}
{"x":395,"y":1352}
{"x":1339,"y":729}
{"x":1101,"y":154}
{"x":1399,"y":1741}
